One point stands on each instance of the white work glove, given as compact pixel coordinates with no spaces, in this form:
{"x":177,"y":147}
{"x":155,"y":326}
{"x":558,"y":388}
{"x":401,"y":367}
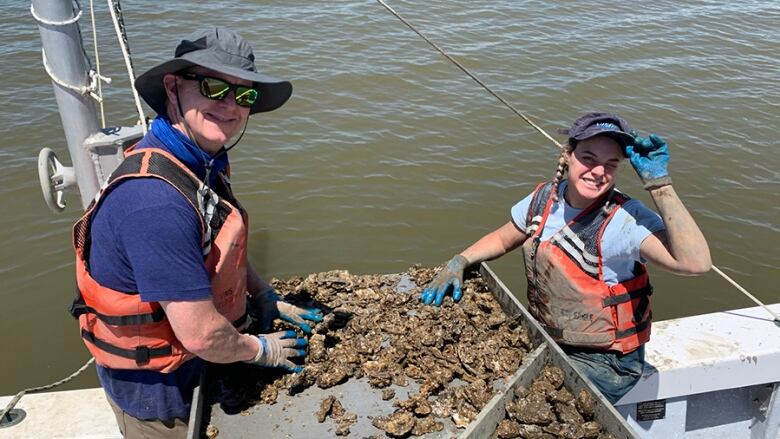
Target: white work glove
{"x":276,"y":350}
{"x":270,"y":307}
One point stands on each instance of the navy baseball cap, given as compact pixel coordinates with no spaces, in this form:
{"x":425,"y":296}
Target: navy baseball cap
{"x":606,"y":124}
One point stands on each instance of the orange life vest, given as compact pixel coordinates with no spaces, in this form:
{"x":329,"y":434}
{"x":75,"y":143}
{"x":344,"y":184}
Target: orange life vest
{"x":566,"y":289}
{"x":120,"y":330}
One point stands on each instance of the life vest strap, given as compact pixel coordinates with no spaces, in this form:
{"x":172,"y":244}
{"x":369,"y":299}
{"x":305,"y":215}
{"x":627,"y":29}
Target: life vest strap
{"x":78,"y":307}
{"x":239,"y":322}
{"x":625,"y":297}
{"x":557,"y":333}
{"x":554,"y":332}
{"x":141,"y":354}
{"x":632,"y":330}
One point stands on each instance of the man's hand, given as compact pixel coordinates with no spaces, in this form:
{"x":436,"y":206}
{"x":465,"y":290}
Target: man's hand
{"x":450,"y":275}
{"x":650,"y":158}
{"x":276,"y":350}
{"x":270,"y":307}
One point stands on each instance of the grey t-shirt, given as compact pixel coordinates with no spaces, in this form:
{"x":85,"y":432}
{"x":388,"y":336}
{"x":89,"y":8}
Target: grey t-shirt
{"x":621,"y":239}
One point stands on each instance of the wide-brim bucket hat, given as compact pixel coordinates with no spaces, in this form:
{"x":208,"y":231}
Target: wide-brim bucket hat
{"x":217,"y":49}
{"x":600,"y":123}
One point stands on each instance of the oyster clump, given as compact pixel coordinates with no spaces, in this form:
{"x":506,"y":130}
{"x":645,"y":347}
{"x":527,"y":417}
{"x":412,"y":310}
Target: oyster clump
{"x":398,"y":424}
{"x":376,"y":328}
{"x":332,"y":407}
{"x":548,"y":409}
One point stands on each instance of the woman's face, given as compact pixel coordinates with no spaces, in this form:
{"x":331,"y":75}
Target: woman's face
{"x":593,"y":167}
{"x":211,"y":122}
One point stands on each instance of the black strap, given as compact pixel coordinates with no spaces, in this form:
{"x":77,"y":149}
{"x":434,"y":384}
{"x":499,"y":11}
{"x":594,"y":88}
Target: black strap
{"x":554,"y":332}
{"x":141,"y":354}
{"x":241,"y":320}
{"x":633,"y":330}
{"x":625,"y":297}
{"x":78,"y":307}
{"x":558,"y":333}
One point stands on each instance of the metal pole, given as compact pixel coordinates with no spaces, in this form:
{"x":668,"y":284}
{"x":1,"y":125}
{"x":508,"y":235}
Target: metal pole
{"x":65,"y":56}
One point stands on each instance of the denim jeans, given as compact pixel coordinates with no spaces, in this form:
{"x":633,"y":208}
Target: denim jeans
{"x":614,"y":374}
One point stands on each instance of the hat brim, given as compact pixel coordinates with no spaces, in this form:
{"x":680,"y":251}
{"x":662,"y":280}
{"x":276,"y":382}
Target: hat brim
{"x":273,"y":92}
{"x":621,"y":137}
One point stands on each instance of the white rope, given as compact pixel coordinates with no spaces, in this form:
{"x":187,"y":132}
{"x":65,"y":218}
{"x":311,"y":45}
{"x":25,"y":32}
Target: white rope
{"x":56,"y":23}
{"x":537,"y":128}
{"x":97,"y":64}
{"x":80,"y":89}
{"x":116,"y":17}
{"x":46,"y":387}
{"x":472,"y":76}
{"x":94,"y":77}
{"x":745,"y":292}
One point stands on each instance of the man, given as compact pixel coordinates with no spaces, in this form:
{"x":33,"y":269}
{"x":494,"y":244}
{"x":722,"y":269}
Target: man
{"x":162,"y":265}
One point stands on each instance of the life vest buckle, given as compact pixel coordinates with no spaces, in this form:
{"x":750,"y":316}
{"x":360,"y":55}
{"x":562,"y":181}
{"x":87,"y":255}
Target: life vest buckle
{"x":142,"y":355}
{"x":78,"y":306}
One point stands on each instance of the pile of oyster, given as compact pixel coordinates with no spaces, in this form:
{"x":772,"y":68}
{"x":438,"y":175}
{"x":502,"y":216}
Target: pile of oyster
{"x":550,"y":410}
{"x":375,"y":327}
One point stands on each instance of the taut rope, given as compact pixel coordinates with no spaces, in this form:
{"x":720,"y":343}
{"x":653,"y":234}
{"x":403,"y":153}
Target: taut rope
{"x":471,"y":75}
{"x":541,"y":131}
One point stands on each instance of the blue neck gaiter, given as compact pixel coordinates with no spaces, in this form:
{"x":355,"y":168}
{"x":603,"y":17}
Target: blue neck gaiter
{"x":184,"y":149}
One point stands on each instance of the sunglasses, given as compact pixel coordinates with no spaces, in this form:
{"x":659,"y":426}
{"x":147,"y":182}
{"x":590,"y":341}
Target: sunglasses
{"x":217,"y":89}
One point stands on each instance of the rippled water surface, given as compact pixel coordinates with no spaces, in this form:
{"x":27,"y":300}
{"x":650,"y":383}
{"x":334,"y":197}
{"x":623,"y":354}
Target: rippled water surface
{"x":387,"y":155}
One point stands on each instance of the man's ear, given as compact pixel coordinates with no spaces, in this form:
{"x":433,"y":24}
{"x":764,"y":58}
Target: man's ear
{"x":169,"y":83}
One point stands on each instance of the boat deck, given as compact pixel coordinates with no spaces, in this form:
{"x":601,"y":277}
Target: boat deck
{"x":81,"y":413}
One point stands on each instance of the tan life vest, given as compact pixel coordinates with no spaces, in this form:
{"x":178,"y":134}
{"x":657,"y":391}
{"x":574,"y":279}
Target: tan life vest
{"x":566,"y":289}
{"x":120,"y":330}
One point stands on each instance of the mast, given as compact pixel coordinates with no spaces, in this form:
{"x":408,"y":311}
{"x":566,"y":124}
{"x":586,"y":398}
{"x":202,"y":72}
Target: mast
{"x":67,"y":64}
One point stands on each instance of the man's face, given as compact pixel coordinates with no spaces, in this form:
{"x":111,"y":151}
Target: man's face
{"x":211,"y":122}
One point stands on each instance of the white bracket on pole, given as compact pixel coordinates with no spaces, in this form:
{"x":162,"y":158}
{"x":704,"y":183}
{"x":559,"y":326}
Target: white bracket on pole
{"x":55,"y":179}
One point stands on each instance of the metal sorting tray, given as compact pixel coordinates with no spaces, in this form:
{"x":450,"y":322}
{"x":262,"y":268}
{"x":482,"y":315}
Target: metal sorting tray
{"x":492,"y":414}
{"x":294,"y":416}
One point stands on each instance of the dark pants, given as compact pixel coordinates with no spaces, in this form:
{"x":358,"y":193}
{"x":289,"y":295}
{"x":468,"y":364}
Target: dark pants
{"x":134,"y":428}
{"x":614,"y":374}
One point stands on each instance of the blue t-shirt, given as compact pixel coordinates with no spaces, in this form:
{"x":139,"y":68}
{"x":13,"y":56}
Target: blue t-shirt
{"x":622,"y":237}
{"x":146,"y":238}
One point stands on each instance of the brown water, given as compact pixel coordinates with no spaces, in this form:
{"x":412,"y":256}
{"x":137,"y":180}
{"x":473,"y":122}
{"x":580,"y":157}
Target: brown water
{"x":387,"y":155}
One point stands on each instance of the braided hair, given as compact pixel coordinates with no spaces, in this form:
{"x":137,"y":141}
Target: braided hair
{"x":563,"y":166}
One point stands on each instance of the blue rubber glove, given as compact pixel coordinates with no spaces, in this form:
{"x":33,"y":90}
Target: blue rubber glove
{"x":270,"y":307}
{"x":450,"y":275}
{"x":276,"y":350}
{"x":650,"y":158}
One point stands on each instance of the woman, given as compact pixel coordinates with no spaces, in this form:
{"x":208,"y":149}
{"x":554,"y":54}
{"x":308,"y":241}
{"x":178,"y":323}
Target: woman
{"x":585,"y":246}
{"x":162,"y":265}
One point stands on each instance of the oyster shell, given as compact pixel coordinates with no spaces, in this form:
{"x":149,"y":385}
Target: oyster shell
{"x":345,"y":422}
{"x":426,"y":425}
{"x":376,"y":328}
{"x":398,"y":424}
{"x":547,"y":409}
